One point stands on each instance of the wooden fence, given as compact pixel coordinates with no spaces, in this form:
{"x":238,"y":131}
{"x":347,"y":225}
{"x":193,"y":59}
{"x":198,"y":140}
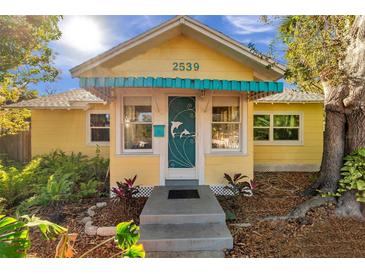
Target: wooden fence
{"x":16,"y":147}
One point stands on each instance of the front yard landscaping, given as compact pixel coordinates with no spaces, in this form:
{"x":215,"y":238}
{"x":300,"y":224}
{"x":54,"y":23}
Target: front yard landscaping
{"x":319,"y":234}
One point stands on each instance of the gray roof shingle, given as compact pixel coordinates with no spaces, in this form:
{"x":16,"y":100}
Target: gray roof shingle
{"x":68,"y":99}
{"x":292,"y":96}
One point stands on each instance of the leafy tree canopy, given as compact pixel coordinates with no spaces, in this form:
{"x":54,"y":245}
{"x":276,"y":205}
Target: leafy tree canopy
{"x":316,"y":47}
{"x":25,"y":58}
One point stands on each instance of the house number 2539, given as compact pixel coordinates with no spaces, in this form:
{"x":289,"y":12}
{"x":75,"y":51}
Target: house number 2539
{"x":182,"y":66}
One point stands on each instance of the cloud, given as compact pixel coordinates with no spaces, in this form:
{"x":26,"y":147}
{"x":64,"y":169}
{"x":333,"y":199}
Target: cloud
{"x":248,"y":24}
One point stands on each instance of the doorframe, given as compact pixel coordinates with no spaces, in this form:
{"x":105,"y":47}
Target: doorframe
{"x":198,"y":134}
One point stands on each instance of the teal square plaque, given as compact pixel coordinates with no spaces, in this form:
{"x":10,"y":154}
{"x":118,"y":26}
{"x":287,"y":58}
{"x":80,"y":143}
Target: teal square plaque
{"x":158,"y":130}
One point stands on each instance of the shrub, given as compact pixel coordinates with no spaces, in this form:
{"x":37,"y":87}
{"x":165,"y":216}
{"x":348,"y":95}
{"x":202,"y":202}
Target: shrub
{"x":125,"y":190}
{"x":52,"y":177}
{"x":353,"y":173}
{"x":240,"y":184}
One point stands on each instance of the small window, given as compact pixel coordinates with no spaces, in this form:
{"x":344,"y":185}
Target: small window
{"x":226,"y":123}
{"x":286,"y":128}
{"x":99,"y":127}
{"x":137,"y":128}
{"x":278,"y":128}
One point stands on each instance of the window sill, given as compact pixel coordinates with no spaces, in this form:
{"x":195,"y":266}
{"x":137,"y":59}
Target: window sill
{"x":226,"y":153}
{"x":277,"y":143}
{"x":137,"y":154}
{"x":100,"y":144}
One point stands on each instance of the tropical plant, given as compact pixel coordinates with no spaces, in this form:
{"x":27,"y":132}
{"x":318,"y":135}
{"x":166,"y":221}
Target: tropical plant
{"x":89,"y":189}
{"x":47,"y":174}
{"x":126,"y":239}
{"x":14,"y":234}
{"x":125,"y":190}
{"x":240,"y":184}
{"x":353,"y":176}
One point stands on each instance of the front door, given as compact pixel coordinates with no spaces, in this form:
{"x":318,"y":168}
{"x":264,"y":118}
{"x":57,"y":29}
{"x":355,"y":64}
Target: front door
{"x":181,"y":137}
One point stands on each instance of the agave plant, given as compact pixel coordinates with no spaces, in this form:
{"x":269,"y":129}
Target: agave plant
{"x":240,"y":184}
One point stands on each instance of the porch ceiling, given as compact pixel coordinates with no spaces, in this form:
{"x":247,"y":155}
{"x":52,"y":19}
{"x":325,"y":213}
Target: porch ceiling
{"x":181,"y":83}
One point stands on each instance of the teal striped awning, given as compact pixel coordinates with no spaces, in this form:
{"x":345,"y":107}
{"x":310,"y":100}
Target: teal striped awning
{"x":185,"y":83}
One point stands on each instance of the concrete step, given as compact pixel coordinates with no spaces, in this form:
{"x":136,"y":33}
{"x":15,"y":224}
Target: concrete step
{"x":181,"y":182}
{"x":185,"y":254}
{"x":161,"y":210}
{"x":186,"y":237}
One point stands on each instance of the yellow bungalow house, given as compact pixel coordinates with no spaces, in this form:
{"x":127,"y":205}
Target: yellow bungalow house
{"x":182,"y":103}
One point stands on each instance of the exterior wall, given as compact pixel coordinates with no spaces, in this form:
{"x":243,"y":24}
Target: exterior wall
{"x":62,"y":129}
{"x":158,"y":62}
{"x":147,"y":167}
{"x":304,"y":157}
{"x":217,"y":165}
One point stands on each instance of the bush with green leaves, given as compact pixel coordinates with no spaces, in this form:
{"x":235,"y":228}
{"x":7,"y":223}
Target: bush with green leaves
{"x":14,"y":234}
{"x":353,"y":175}
{"x":52,"y":177}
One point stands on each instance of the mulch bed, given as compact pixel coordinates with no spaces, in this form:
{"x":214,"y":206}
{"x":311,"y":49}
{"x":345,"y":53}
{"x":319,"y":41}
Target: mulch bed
{"x":319,"y":234}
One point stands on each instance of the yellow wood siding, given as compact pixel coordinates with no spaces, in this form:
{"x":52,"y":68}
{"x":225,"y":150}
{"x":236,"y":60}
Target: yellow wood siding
{"x":158,"y":62}
{"x":147,"y":167}
{"x":62,"y":129}
{"x":309,"y":153}
{"x":217,"y":165}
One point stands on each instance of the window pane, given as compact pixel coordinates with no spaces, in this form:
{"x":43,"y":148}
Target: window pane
{"x":137,"y":113}
{"x":100,"y":135}
{"x":226,"y":114}
{"x":286,"y":120}
{"x":137,"y":136}
{"x":99,"y":120}
{"x":261,"y":120}
{"x":286,"y":134}
{"x":261,"y":134}
{"x":225,"y":136}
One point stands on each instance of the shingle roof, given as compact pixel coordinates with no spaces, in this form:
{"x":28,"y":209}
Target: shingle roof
{"x":74,"y":98}
{"x":292,"y":96}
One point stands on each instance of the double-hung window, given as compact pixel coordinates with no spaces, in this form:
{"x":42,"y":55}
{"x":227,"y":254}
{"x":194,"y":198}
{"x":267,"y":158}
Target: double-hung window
{"x":99,"y":127}
{"x":226,"y":123}
{"x":137,"y":124}
{"x":277,"y":128}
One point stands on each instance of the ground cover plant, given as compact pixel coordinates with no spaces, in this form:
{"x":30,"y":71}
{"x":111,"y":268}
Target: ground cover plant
{"x":51,"y":178}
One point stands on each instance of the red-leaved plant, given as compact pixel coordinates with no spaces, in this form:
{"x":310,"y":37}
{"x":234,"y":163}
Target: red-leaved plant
{"x":125,"y":190}
{"x":240,"y":184}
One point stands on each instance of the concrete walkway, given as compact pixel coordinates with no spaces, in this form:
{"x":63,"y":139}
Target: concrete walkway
{"x":184,"y":227}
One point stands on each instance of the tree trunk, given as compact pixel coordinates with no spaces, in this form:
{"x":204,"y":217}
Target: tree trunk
{"x":334,"y":141}
{"x":354,"y":104}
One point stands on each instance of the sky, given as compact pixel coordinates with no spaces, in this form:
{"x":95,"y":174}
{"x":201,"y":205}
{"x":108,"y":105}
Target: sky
{"x":84,"y":37}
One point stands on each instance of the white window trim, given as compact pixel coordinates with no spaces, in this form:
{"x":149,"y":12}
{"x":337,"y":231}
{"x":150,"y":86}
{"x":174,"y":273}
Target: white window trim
{"x":271,"y":141}
{"x":88,"y":128}
{"x":242,"y":135}
{"x":121,"y":124}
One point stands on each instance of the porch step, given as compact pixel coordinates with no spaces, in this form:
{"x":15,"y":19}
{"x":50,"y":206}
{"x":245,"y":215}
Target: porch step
{"x":185,"y":254}
{"x":186,"y":237}
{"x":181,"y":182}
{"x":161,"y":210}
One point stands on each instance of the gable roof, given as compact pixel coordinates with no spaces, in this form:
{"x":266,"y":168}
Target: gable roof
{"x":292,"y":96}
{"x":264,"y":67}
{"x":71,"y":99}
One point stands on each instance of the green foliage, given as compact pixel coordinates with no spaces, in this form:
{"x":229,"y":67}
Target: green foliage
{"x":126,"y":238}
{"x":239,"y":184}
{"x":353,"y":173}
{"x":50,"y":178}
{"x":14,"y":234}
{"x":316,"y":46}
{"x":89,"y":189}
{"x":25,"y":58}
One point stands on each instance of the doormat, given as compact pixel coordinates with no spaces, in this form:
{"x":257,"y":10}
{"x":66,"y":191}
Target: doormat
{"x":183,"y":194}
